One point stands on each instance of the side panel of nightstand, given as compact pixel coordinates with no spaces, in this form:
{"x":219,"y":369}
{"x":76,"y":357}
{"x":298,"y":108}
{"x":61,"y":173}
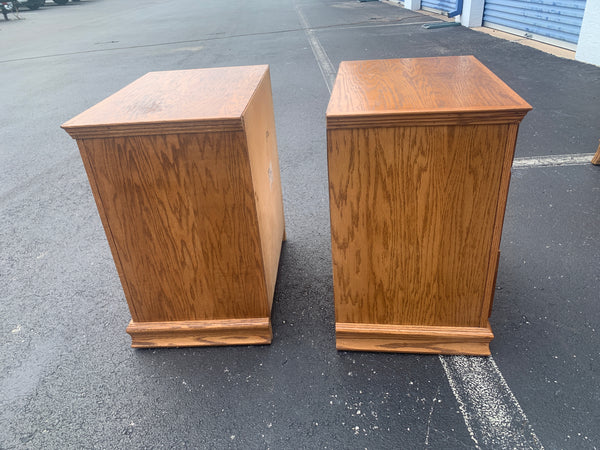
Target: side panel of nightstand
{"x":259,"y":126}
{"x":179,"y":212}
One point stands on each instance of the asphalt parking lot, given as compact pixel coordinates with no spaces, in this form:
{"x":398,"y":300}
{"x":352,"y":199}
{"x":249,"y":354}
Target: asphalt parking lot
{"x":68,"y":378}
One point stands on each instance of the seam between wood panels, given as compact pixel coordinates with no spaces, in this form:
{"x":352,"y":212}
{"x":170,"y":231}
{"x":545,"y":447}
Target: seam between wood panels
{"x":252,"y":97}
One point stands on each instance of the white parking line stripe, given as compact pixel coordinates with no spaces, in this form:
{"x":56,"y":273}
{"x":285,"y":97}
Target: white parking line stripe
{"x":490,"y":410}
{"x":578,"y":159}
{"x":327,"y":69}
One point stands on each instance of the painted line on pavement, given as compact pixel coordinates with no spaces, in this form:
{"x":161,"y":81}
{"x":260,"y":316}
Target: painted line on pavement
{"x":579,"y":159}
{"x":327,"y":69}
{"x":491,"y":412}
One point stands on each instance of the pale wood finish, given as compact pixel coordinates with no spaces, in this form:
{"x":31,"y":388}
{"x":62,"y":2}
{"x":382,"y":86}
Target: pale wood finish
{"x":417,"y":210}
{"x":259,"y":124}
{"x":194,"y":219}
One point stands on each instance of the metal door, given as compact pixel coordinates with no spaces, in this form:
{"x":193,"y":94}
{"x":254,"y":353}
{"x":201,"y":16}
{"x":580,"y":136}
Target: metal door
{"x":439,"y":5}
{"x":557,"y":22}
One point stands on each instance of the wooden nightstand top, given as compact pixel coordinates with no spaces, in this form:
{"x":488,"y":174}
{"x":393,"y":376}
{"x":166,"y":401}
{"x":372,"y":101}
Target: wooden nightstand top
{"x":180,"y":101}
{"x":421,"y":91}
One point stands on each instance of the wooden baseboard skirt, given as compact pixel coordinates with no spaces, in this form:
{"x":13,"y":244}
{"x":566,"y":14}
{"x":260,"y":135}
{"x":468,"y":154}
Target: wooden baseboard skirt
{"x":414,"y":339}
{"x":200,"y":333}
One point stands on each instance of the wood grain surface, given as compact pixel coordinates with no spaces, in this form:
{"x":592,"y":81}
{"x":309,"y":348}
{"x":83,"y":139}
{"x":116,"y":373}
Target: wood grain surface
{"x":414,"y":339}
{"x":200,"y":333}
{"x":259,"y":124}
{"x":419,"y":158}
{"x":596,"y":157}
{"x":180,"y":212}
{"x":413,"y":212}
{"x":194,"y":220}
{"x":180,"y":101}
{"x":490,"y":287}
{"x":427,"y":91}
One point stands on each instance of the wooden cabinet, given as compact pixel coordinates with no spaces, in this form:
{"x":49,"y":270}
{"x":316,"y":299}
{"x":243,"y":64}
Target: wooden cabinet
{"x":419,"y":159}
{"x":184,"y":170}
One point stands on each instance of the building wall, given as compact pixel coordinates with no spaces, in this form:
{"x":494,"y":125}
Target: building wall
{"x":472,"y":14}
{"x":588,"y":47}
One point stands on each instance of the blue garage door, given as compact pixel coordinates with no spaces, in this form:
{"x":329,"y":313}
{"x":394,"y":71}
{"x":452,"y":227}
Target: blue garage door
{"x":439,"y":5}
{"x":555,"y":21}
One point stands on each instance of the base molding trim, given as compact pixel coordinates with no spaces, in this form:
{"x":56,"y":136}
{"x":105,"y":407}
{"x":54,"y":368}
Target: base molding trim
{"x":200,"y":333}
{"x":413,"y":339}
